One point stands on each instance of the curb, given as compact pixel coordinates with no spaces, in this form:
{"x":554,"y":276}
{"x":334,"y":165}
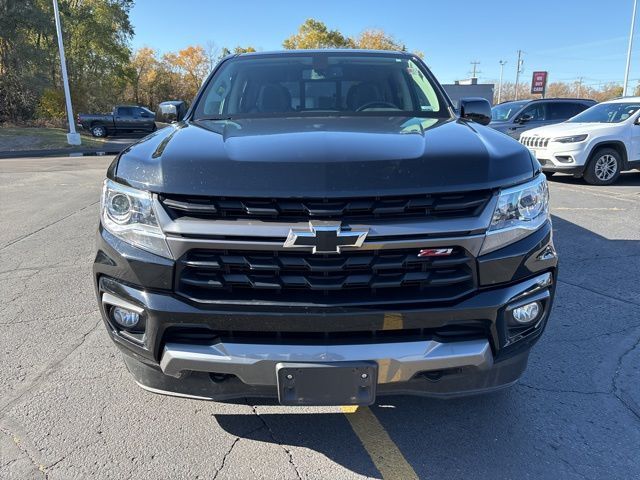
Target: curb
{"x":60,"y":153}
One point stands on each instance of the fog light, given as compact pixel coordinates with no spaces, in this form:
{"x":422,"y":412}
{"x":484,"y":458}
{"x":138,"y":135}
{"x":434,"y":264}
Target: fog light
{"x":526,"y":313}
{"x":125,"y":318}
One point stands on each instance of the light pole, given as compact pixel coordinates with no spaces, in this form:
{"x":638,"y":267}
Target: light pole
{"x":626,"y":72}
{"x":501,"y":62}
{"x":73,"y":138}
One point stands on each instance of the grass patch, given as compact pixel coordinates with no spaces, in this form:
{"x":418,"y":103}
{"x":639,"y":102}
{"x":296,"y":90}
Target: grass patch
{"x":15,"y":139}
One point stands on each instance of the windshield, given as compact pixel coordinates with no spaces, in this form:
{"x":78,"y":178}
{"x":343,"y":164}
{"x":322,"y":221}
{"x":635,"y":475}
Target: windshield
{"x":320,"y":84}
{"x":504,"y":112}
{"x":606,"y":113}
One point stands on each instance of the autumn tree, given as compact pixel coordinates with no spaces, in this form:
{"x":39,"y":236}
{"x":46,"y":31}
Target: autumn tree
{"x":237,"y":50}
{"x":143,"y":72}
{"x":192,"y":65}
{"x":377,"y":39}
{"x":315,"y":34}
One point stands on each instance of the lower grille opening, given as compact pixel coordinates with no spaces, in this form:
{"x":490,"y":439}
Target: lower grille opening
{"x":207,"y":336}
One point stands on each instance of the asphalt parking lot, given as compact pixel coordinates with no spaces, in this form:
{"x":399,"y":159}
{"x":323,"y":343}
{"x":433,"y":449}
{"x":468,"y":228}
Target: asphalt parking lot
{"x":69,"y":409}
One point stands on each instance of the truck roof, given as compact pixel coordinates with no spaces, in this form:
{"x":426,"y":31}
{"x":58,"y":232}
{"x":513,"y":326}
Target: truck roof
{"x":331,"y":51}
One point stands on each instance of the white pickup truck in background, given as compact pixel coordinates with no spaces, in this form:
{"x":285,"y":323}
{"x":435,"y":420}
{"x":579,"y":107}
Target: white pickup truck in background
{"x":596,"y":144}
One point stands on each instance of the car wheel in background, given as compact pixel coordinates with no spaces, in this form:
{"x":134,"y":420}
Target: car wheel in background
{"x":98,"y":131}
{"x":604,"y":167}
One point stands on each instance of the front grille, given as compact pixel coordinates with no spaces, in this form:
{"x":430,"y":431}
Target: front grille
{"x":451,"y":205}
{"x":535,"y":142}
{"x":351,"y":278}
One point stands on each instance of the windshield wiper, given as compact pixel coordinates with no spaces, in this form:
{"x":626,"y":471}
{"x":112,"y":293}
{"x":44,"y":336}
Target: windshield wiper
{"x":213,"y":118}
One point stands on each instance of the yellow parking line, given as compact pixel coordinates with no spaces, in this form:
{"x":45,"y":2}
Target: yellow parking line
{"x":386,"y":456}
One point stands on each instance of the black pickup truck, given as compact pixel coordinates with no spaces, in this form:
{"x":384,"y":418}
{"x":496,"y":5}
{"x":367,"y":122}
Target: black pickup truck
{"x":322,"y":227}
{"x":123,"y":118}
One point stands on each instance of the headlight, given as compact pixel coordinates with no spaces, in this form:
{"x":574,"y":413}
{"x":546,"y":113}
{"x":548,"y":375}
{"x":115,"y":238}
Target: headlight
{"x":128,"y":214}
{"x":519,"y":212}
{"x":571,"y":139}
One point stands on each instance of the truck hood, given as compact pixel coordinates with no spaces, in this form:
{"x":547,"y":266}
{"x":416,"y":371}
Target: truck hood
{"x":319,"y":157}
{"x":571,"y":128}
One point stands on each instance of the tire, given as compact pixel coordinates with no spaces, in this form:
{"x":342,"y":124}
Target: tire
{"x":604,"y":167}
{"x":549,"y":174}
{"x":98,"y":131}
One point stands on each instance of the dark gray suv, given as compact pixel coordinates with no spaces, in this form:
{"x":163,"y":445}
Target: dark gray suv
{"x":518,"y":116}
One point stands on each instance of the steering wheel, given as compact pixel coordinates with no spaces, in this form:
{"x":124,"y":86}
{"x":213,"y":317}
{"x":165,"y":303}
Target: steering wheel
{"x":377,"y":103}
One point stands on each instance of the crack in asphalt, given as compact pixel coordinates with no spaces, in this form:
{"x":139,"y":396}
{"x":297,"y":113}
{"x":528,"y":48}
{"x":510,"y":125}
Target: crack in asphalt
{"x":633,"y":409}
{"x":6,"y":303}
{"x":42,"y":268}
{"x":592,"y":337}
{"x":40,"y":319}
{"x":51,"y":368}
{"x":611,"y":297}
{"x":224,"y":458}
{"x":18,"y":443}
{"x":615,"y":390}
{"x":561,"y":458}
{"x":561,"y":390}
{"x":27,"y":235}
{"x":254,"y":409}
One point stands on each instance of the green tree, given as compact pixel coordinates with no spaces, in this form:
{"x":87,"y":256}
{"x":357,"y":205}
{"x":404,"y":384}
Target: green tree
{"x":96,"y":35}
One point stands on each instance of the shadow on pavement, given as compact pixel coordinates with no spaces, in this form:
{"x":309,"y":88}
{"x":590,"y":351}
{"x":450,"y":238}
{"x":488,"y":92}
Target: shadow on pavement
{"x":630,"y":178}
{"x":564,"y":419}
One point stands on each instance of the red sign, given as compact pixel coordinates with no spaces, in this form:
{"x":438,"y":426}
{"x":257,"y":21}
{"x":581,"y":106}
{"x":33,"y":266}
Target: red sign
{"x":539,"y":82}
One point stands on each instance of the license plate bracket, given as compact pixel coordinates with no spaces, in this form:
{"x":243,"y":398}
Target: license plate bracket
{"x":323,"y":384}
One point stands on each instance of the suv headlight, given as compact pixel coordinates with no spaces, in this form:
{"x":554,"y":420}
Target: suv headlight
{"x":571,"y":139}
{"x":128,"y":214}
{"x":520,"y":211}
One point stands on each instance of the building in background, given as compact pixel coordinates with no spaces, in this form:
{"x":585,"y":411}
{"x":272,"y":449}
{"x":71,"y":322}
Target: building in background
{"x":469,"y":88}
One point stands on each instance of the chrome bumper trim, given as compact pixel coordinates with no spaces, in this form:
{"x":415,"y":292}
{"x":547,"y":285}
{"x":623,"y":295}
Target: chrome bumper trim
{"x":255,"y":364}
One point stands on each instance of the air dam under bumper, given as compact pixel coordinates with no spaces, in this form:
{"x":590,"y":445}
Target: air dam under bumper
{"x":476,"y":374}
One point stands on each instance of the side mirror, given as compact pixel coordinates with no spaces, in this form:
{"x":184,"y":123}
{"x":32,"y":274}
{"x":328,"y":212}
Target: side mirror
{"x":171,"y":112}
{"x":475,"y":109}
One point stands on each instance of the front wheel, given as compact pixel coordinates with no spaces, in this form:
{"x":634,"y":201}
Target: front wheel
{"x":98,"y":131}
{"x":604,"y":167}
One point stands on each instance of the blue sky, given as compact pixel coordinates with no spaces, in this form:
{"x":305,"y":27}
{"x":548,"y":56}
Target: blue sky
{"x":569,"y":38}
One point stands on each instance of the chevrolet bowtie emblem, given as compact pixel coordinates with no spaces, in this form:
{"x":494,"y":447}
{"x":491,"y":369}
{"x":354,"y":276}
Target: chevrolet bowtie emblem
{"x":324,"y":237}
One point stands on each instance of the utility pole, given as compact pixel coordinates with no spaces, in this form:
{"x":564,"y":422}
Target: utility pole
{"x":518,"y":71}
{"x":502,"y":63}
{"x":474,"y":70}
{"x":579,"y":86}
{"x":73,"y":138}
{"x":626,"y":72}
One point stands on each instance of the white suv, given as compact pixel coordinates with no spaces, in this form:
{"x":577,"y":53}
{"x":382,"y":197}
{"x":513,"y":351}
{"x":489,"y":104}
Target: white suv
{"x":596,"y":144}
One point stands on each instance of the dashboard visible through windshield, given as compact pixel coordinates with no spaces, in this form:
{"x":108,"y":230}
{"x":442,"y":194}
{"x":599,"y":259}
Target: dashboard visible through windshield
{"x":607,"y":113}
{"x":320,"y":84}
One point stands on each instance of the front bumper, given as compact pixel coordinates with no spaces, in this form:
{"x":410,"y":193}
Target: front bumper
{"x":554,"y":158}
{"x":226,"y":368}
